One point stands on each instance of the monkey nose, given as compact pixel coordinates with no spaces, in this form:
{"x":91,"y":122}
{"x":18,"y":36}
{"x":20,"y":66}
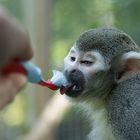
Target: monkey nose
{"x":74,"y":71}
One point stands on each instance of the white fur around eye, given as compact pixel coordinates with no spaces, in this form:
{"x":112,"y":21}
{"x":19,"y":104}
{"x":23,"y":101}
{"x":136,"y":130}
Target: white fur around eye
{"x":99,"y":62}
{"x":68,"y":61}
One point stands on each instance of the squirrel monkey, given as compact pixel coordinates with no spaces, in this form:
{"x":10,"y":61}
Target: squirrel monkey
{"x":103,"y":69}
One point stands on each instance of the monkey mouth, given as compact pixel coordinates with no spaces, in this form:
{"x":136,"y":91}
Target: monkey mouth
{"x":76,"y":82}
{"x":72,"y":89}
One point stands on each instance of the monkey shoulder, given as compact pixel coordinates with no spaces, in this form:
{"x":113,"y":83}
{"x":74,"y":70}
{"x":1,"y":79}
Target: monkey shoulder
{"x":124,"y":109}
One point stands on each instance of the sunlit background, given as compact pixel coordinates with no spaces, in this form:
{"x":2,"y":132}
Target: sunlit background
{"x":53,"y":26}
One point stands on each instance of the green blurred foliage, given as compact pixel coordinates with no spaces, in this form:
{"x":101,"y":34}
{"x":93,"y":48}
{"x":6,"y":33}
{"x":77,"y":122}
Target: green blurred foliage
{"x":73,"y":17}
{"x":14,"y":6}
{"x":127,"y":17}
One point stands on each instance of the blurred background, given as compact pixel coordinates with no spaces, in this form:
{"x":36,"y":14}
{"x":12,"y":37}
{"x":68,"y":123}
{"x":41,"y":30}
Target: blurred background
{"x":53,"y":26}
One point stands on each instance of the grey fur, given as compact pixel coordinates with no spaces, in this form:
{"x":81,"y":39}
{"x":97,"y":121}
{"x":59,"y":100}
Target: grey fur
{"x":124,"y":109}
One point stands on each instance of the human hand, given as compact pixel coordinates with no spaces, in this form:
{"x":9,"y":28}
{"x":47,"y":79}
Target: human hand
{"x":14,"y":43}
{"x":14,"y":40}
{"x":10,"y":85}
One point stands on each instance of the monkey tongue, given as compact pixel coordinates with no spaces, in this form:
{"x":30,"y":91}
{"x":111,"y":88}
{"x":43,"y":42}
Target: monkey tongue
{"x":63,"y":89}
{"x":69,"y":87}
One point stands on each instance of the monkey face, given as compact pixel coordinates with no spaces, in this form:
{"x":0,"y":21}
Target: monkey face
{"x":83,"y":71}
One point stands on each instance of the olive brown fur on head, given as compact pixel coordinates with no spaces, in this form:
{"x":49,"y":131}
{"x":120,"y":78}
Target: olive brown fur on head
{"x":109,"y":41}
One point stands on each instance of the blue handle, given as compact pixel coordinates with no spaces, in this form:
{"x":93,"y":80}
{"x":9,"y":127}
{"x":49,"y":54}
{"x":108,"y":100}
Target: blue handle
{"x":33,"y":72}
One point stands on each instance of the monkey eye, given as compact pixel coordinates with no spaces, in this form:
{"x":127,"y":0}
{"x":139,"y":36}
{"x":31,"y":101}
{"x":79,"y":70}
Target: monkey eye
{"x":72,"y":58}
{"x":86,"y":62}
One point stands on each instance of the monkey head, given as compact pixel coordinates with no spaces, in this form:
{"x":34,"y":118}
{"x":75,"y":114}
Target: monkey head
{"x":97,"y":60}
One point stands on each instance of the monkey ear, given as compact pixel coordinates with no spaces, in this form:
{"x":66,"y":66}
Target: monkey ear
{"x":128,"y":63}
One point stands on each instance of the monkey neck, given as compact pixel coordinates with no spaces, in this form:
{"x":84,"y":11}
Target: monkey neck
{"x":96,"y":113}
{"x":95,"y":106}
